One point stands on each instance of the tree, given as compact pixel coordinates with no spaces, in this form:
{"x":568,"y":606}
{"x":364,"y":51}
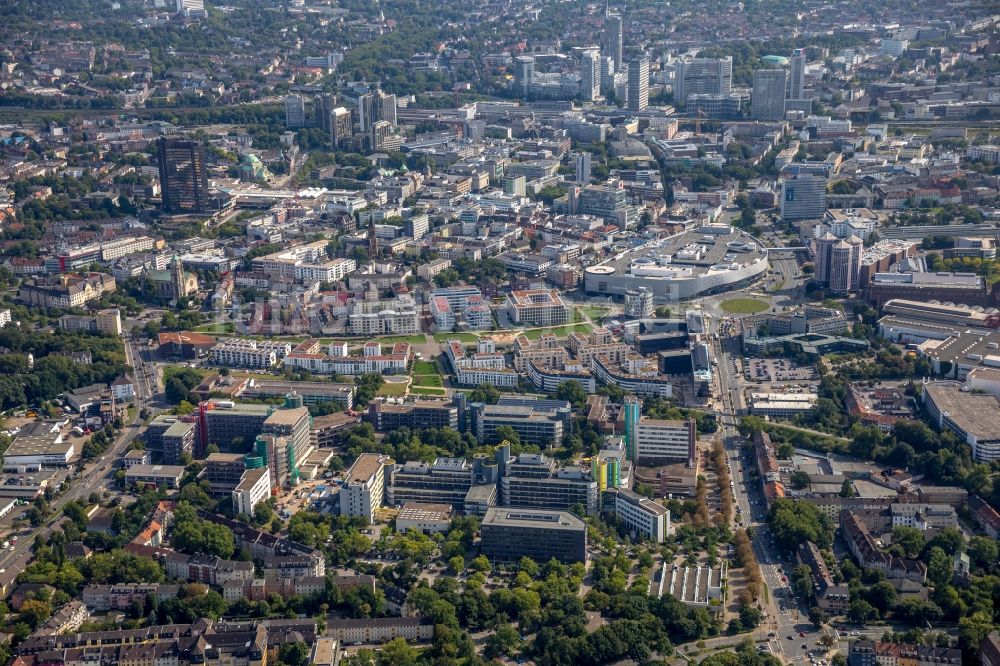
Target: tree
{"x":504,"y":642}
{"x":397,"y":653}
{"x":861,"y":612}
{"x":294,"y":654}
{"x":939,"y":567}
{"x":802,"y":581}
{"x":882,"y":595}
{"x":456,"y":564}
{"x":572,"y":391}
{"x":847,"y":489}
{"x":799,"y":479}
{"x":983,"y":553}
{"x":506,"y":433}
{"x":818,"y":616}
{"x":35,"y":612}
{"x":481,"y":563}
{"x":750,"y":616}
{"x":907,"y":541}
{"x":793,"y":523}
{"x":195,"y":535}
{"x":485,"y":393}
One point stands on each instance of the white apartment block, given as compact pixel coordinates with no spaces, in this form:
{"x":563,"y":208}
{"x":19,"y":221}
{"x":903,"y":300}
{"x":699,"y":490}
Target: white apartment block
{"x":641,"y":516}
{"x":308,"y":262}
{"x":363,"y":491}
{"x":236,"y":353}
{"x":443,"y":314}
{"x":537,"y":307}
{"x":253,"y":488}
{"x":663,"y":440}
{"x":4,"y":317}
{"x":394,"y":316}
{"x":499,"y":377}
{"x":120,"y":248}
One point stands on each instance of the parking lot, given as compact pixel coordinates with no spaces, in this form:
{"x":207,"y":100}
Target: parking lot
{"x":777,"y":370}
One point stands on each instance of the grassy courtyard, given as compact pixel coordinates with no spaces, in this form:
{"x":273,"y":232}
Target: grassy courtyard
{"x":559,"y":331}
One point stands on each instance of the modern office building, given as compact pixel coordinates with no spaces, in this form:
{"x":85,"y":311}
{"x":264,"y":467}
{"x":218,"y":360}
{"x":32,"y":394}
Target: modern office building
{"x":363,"y":490}
{"x":640,"y":516}
{"x":609,"y":203}
{"x":638,"y":84}
{"x":708,"y":76}
{"x":170,"y":437}
{"x":376,"y":106}
{"x":845,"y":264}
{"x":767,"y":101}
{"x":838,"y":262}
{"x":228,"y":424}
{"x":590,"y":75}
{"x":295,"y":111}
{"x":721,"y":106}
{"x":524,"y":75}
{"x":445,"y":481}
{"x":183,"y":175}
{"x":510,"y":534}
{"x":341,"y":128}
{"x":797,"y":77}
{"x":582,"y":164}
{"x":167,"y":476}
{"x":533,"y":480}
{"x":803,"y":197}
{"x":614,"y":40}
{"x":639,"y":303}
{"x":536,"y":421}
{"x":664,"y":441}
{"x":416,"y":414}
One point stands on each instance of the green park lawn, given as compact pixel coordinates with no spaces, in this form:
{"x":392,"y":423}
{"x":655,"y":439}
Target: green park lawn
{"x":426,"y":390}
{"x":744,"y":306}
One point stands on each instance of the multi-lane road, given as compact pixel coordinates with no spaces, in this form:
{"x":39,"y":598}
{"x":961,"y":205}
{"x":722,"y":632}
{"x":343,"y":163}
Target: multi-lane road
{"x":95,"y":475}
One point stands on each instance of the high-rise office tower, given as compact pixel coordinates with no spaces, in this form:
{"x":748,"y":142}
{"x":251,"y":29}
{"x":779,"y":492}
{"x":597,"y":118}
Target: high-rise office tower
{"x":704,"y":76}
{"x":638,"y":85}
{"x":614,"y":34}
{"x":607,"y":73}
{"x":590,"y":75}
{"x":582,"y":162}
{"x":768,"y":97}
{"x":381,"y":130}
{"x":323,"y":105}
{"x":376,"y":106}
{"x":295,"y":112}
{"x":797,"y":80}
{"x":803,"y":197}
{"x":183,"y":175}
{"x":341,"y":127}
{"x":524,"y":74}
{"x":838,"y":261}
{"x":845,"y":264}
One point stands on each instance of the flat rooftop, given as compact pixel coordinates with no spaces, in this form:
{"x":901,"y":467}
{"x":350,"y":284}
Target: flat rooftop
{"x":48,"y":444}
{"x":532,"y":518}
{"x":365,"y":467}
{"x":287,"y":417}
{"x":419,"y":511}
{"x":167,"y":471}
{"x":975,"y":413}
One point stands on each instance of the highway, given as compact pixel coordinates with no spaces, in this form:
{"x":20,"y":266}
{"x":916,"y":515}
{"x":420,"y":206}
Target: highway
{"x":96,"y":475}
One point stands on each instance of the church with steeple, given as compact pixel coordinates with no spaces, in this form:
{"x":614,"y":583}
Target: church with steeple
{"x":174,"y":282}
